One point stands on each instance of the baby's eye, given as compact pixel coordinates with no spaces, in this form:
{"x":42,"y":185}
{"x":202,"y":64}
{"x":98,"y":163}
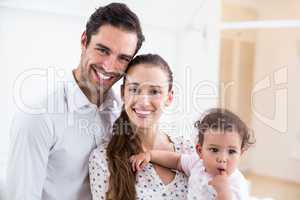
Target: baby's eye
{"x":214,"y":150}
{"x":232,"y":151}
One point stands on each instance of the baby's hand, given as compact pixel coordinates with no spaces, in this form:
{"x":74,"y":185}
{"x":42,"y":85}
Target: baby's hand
{"x":221,"y":184}
{"x":139,"y":161}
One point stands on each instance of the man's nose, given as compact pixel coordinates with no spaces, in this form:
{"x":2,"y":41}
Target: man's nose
{"x":110,"y":63}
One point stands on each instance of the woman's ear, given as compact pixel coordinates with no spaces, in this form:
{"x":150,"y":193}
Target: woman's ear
{"x":170,"y":98}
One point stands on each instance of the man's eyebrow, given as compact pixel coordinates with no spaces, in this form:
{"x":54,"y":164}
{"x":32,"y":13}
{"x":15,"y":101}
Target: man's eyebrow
{"x":129,"y":57}
{"x":102,"y":46}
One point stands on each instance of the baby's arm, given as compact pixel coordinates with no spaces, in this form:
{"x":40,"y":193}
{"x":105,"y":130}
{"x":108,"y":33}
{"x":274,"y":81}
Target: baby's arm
{"x":164,"y":158}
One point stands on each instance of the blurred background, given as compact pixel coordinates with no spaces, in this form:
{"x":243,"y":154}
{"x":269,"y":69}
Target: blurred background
{"x":240,"y":54}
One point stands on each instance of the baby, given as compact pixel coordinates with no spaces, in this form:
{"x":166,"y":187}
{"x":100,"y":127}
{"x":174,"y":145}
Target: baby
{"x":212,"y":170}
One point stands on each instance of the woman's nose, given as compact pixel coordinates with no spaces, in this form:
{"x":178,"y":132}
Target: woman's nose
{"x":144,"y":99}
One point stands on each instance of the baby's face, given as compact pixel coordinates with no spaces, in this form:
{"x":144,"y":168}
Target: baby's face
{"x":220,"y":151}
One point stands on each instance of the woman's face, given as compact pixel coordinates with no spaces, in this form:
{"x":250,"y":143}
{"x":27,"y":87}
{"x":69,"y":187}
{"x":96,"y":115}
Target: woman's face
{"x":145,"y":94}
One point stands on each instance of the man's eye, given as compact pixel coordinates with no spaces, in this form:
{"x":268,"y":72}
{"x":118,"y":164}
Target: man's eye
{"x":103,"y":51}
{"x":232,"y":151}
{"x":125,"y":59}
{"x":214,"y":150}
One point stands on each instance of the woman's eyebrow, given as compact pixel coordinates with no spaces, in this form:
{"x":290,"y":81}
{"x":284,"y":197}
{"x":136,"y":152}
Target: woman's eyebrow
{"x":133,"y":83}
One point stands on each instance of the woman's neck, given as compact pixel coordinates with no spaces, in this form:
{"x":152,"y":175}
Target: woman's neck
{"x":148,"y":137}
{"x":154,"y":139}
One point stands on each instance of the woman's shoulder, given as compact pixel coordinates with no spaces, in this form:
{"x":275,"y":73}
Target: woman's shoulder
{"x":183,"y":144}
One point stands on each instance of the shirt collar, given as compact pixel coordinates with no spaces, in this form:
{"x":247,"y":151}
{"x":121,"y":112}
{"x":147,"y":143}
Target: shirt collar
{"x":77,"y":100}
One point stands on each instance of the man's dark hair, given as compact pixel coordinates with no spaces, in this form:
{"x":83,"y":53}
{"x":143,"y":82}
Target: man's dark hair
{"x":117,"y":15}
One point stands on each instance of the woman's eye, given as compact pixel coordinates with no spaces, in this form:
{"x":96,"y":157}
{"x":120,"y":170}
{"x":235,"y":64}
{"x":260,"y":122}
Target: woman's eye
{"x":133,"y":90}
{"x":154,"y":92}
{"x":214,"y":150}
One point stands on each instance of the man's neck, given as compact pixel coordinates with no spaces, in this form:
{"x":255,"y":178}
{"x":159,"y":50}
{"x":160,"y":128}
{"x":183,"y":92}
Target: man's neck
{"x":95,"y":96}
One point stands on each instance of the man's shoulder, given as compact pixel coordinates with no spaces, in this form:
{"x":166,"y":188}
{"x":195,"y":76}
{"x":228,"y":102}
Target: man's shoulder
{"x":43,"y":109}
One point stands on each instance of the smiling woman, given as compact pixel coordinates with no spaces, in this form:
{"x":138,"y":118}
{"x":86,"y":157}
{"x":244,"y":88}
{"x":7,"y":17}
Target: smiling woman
{"x":146,"y":91}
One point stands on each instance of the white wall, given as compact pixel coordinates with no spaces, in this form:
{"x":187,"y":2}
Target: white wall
{"x":33,"y":38}
{"x":277,"y":152}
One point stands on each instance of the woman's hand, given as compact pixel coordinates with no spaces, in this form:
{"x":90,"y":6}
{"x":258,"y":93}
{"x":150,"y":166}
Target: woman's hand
{"x":139,"y":161}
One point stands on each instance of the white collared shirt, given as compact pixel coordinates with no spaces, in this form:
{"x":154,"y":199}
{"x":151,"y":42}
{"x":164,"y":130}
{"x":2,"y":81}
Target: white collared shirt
{"x":50,"y":151}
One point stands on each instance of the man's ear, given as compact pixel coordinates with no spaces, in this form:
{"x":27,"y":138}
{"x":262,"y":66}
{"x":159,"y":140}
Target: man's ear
{"x":83,"y":40}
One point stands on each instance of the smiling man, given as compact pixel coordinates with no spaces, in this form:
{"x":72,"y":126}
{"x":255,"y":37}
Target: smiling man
{"x":50,"y":151}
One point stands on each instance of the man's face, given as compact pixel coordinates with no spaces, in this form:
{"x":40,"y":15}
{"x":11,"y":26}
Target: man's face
{"x":105,"y":58}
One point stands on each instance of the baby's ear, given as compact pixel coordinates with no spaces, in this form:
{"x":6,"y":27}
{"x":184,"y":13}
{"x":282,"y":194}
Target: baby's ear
{"x":243,"y":150}
{"x":198,"y":149}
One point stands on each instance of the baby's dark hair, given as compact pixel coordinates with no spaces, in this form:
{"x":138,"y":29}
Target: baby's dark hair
{"x":225,"y":121}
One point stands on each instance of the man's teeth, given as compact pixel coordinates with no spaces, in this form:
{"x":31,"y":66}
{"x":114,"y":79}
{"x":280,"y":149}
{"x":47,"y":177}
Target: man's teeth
{"x":102,"y":76}
{"x":142,"y":112}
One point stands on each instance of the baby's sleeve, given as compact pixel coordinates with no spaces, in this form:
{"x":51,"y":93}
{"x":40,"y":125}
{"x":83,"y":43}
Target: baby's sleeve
{"x":239,"y":187}
{"x":187,"y":162}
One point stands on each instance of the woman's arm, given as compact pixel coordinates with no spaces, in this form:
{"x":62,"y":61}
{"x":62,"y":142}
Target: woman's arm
{"x":99,"y":175}
{"x":164,"y":158}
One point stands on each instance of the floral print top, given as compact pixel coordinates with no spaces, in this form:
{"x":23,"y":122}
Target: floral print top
{"x":148,"y":183}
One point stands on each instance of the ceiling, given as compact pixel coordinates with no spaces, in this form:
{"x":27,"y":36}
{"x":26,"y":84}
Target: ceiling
{"x":170,"y":14}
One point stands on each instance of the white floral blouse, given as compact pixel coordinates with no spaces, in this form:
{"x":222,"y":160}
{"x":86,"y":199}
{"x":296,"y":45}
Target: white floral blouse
{"x":148,"y":183}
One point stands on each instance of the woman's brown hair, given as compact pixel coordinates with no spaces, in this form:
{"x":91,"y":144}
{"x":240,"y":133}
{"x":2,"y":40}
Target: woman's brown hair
{"x":125,"y":143}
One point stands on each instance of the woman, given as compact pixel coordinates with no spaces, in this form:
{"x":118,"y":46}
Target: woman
{"x":146,"y":91}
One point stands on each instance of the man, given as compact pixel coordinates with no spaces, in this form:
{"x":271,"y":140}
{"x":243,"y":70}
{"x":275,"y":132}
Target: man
{"x":50,"y":151}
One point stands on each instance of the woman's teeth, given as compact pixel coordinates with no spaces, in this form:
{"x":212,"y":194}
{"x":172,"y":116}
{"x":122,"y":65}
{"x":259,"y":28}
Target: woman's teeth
{"x":142,"y":112}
